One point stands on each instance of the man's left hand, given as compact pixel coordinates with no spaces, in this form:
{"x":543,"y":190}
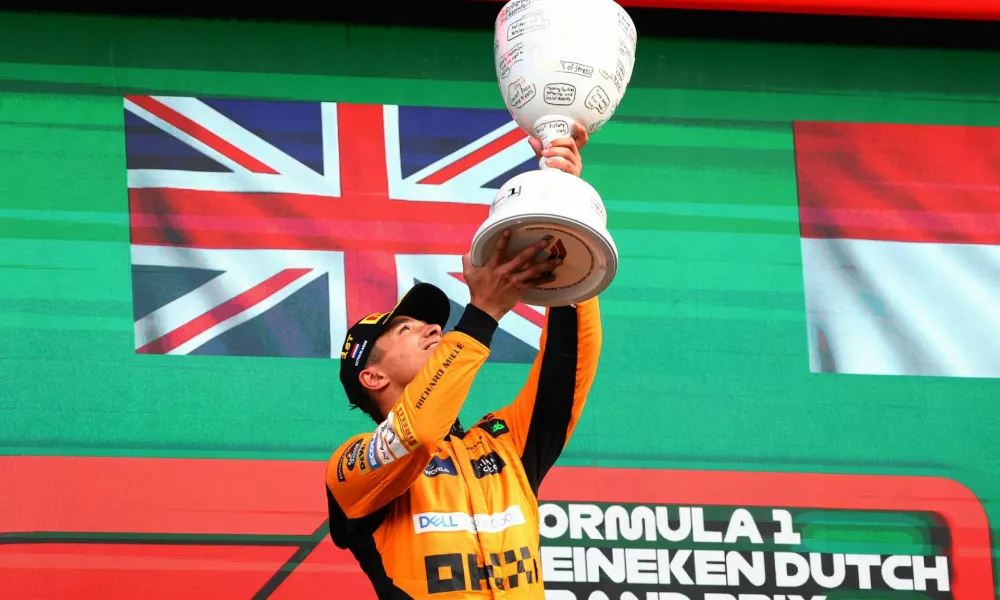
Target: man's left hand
{"x":564,"y":153}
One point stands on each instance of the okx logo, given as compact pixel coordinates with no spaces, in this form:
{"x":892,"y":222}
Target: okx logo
{"x":505,"y":571}
{"x":494,"y":427}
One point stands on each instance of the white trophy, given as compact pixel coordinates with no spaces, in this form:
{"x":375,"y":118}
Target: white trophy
{"x":559,"y":62}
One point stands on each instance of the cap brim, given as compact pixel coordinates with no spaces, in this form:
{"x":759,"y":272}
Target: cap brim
{"x":426,"y":303}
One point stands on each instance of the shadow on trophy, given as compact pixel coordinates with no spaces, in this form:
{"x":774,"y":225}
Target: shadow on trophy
{"x":559,"y":62}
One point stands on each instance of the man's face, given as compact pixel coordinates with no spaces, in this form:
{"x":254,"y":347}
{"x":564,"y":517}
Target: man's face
{"x":406,"y":346}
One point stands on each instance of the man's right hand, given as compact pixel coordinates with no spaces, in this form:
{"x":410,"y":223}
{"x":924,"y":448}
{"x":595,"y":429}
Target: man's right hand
{"x":498,"y":285}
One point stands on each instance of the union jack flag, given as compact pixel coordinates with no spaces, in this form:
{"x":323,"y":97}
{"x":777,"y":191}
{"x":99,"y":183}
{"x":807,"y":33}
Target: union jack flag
{"x":266,"y":228}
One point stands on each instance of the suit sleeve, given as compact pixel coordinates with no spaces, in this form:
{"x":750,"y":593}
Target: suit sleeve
{"x":542,"y":418}
{"x":371,"y":469}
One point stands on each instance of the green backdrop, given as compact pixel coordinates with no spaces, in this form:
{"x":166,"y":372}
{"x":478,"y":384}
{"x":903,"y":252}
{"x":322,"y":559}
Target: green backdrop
{"x":705,"y":361}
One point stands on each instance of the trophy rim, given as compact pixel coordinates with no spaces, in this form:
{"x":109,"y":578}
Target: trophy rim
{"x":596,"y":240}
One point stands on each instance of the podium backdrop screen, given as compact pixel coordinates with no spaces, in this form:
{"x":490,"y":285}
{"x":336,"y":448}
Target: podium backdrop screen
{"x":799,"y":391}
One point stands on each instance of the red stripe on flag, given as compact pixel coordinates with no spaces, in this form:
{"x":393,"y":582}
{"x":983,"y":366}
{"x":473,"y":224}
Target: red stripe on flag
{"x":201,"y":134}
{"x":227,"y":310}
{"x":371,"y":283}
{"x":364,"y":176}
{"x":170,"y":201}
{"x":470,"y":160}
{"x":201,"y":219}
{"x":525,"y":311}
{"x":905,"y":183}
{"x":300,"y":234}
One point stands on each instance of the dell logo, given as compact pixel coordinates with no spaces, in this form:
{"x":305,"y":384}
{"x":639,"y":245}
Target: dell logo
{"x":438,"y":522}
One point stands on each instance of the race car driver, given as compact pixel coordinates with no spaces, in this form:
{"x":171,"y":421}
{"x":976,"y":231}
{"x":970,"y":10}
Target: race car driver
{"x":431,"y":510}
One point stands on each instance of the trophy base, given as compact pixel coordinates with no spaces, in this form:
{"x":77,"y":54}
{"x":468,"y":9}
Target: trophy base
{"x":553,"y":205}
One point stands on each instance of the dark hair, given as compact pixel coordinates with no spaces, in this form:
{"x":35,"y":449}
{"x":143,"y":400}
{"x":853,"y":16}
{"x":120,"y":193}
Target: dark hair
{"x":367,"y":404}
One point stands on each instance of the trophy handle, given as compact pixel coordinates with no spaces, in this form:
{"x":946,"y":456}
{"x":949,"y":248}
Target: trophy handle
{"x":550,"y":128}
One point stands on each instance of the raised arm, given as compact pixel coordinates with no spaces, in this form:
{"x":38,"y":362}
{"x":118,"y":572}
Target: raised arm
{"x":542,"y":417}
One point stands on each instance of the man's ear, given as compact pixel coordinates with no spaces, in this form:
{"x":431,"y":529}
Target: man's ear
{"x":373,"y":380}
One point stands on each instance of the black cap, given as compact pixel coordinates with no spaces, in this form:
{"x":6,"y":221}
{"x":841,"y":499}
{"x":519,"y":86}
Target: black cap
{"x":423,"y":302}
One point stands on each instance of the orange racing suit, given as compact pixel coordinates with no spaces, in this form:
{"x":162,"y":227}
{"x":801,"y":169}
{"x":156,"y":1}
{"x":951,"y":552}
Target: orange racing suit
{"x":432,"y":511}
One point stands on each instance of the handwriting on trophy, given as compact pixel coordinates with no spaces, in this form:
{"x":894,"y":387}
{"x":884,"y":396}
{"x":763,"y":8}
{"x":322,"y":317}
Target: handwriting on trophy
{"x":576,"y":68}
{"x":550,"y":130}
{"x":530,"y":22}
{"x":548,"y":55}
{"x":559,"y":94}
{"x":520,"y":92}
{"x":626,"y":24}
{"x":598,"y":100}
{"x":514,"y":55}
{"x":514,"y":7}
{"x":617,"y":78}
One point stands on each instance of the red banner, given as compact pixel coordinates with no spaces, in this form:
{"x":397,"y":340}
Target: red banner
{"x":162,"y":528}
{"x":931,"y":9}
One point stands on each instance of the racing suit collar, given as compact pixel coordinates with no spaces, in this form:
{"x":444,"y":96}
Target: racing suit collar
{"x":456,"y":430}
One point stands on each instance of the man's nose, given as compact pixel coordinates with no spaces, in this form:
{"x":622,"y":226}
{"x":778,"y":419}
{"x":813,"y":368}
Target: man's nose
{"x":432,"y":330}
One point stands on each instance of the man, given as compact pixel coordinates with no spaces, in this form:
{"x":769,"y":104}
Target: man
{"x":430,"y":510}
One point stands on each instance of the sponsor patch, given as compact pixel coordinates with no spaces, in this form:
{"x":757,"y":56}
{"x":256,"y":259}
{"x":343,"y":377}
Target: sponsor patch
{"x":495,"y":427}
{"x":393,"y":440}
{"x":347,"y":346}
{"x":445,"y":522}
{"x":371,"y":453}
{"x":440,"y":466}
{"x":362,"y":459}
{"x":402,"y":423}
{"x":489,"y":464}
{"x":352,"y":454}
{"x":372,"y":318}
{"x":388,"y":446}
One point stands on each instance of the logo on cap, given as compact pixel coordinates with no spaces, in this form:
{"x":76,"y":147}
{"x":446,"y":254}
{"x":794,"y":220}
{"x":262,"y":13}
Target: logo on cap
{"x":372,"y":319}
{"x":347,"y":346}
